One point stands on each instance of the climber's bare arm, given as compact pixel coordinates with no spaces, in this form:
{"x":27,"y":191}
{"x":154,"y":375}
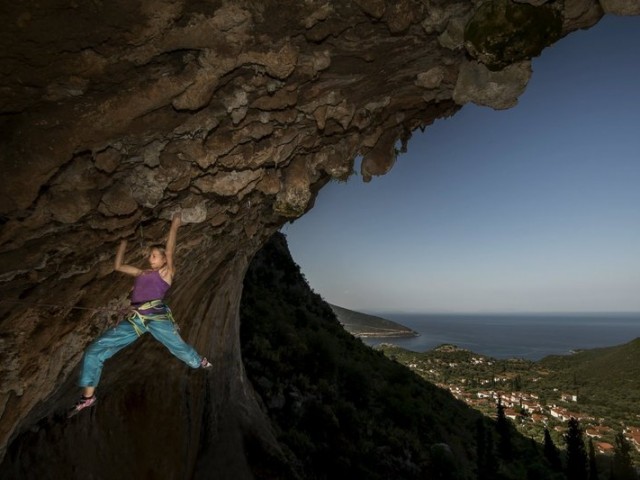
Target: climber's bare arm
{"x":118,"y":266}
{"x":170,"y":248}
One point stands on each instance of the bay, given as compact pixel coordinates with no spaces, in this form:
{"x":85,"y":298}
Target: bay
{"x":532,"y":336}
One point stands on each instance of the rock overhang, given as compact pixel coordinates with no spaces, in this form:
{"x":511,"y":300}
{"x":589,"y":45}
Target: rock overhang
{"x":117,"y":115}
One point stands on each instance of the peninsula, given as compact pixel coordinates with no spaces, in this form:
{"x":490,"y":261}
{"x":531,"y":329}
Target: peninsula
{"x":364,"y":325}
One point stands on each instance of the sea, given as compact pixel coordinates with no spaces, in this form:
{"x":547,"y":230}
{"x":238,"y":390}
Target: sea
{"x":530,"y":336}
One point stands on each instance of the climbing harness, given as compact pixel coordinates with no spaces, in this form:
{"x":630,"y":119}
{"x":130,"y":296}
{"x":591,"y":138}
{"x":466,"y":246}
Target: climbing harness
{"x":160,"y":312}
{"x":163,"y":314}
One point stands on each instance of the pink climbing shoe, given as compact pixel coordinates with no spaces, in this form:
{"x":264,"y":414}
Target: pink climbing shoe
{"x":83,"y":403}
{"x":204,"y":363}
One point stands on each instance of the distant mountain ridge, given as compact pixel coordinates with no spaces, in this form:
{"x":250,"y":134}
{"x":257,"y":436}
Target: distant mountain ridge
{"x":363,"y":325}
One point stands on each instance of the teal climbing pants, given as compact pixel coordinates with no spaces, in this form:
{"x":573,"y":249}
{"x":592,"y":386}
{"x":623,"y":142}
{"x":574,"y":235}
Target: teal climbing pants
{"x":127,"y":332}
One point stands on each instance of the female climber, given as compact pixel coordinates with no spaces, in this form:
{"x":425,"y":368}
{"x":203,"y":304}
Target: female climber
{"x":149,"y":314}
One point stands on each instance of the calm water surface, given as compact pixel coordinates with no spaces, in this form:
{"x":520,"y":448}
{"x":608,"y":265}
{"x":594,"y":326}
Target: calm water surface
{"x":515,"y":336}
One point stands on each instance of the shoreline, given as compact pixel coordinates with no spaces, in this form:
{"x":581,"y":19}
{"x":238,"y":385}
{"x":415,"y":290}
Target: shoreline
{"x":385,"y":335}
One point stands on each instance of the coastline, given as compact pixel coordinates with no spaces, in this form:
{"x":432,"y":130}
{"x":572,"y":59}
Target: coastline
{"x":362,"y":325}
{"x":530,"y":337}
{"x":383,"y":334}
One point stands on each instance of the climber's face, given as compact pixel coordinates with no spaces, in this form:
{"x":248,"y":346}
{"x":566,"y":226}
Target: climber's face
{"x":157,"y":259}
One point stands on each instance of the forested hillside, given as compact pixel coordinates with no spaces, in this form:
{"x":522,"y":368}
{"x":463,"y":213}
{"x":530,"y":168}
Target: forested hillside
{"x":342,"y":410}
{"x":605,"y":379}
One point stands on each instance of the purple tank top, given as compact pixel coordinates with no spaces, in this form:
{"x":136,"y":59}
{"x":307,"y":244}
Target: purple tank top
{"x":148,"y":286}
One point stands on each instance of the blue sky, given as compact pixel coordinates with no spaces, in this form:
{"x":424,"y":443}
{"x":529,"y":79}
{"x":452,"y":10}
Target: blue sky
{"x":531,"y":209}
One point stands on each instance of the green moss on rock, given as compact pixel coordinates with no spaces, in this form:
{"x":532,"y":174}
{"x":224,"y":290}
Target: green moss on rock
{"x":288,"y":209}
{"x":501,"y":32}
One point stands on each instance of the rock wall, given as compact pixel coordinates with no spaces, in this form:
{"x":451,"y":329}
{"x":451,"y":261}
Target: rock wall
{"x":117,"y":114}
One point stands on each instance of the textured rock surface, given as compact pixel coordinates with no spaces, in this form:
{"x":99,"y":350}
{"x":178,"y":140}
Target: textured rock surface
{"x":116,"y":114}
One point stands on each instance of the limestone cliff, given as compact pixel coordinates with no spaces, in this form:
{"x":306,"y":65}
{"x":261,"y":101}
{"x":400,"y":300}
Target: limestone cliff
{"x":116,"y":114}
